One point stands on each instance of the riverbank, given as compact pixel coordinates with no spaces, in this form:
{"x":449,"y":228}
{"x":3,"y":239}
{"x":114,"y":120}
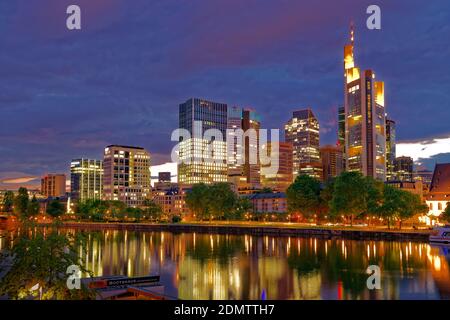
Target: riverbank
{"x":263,"y":229}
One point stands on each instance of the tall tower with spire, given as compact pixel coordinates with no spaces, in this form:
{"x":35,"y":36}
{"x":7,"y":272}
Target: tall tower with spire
{"x":365,"y":123}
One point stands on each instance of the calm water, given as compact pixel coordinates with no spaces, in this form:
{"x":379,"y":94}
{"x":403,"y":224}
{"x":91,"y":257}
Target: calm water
{"x":200,"y":266}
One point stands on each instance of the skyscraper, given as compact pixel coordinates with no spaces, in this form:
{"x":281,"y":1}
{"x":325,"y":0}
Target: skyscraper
{"x":302,"y":131}
{"x":365,"y":124}
{"x":235,"y":145}
{"x":283,"y":177}
{"x":403,"y":167}
{"x":53,"y":185}
{"x":332,"y":161}
{"x":341,"y":133}
{"x":250,"y":121}
{"x":126,"y":174}
{"x":86,"y":179}
{"x":341,"y":127}
{"x":390,"y":149}
{"x":202,"y":159}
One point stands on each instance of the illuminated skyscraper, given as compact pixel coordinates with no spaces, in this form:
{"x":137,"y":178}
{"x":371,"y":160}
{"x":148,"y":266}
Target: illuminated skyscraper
{"x":302,"y":131}
{"x":332,"y":162}
{"x":283,"y":177}
{"x":250,"y":121}
{"x":202,"y":157}
{"x":341,"y":132}
{"x":126,"y":175}
{"x":365,"y":127}
{"x":390,"y":149}
{"x":403,"y":167}
{"x":235,"y":145}
{"x":86,"y":179}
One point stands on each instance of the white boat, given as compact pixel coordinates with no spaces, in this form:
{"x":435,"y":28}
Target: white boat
{"x":440,"y":234}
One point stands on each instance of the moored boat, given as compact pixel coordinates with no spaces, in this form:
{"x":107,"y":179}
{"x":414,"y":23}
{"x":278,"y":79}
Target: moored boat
{"x":440,"y":234}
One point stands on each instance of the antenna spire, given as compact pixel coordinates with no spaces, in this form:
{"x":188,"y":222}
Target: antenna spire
{"x":352,"y":33}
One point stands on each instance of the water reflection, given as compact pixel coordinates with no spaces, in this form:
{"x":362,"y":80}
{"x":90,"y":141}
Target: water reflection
{"x":202,"y":266}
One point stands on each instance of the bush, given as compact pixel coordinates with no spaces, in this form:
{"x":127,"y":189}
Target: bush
{"x":176,"y":219}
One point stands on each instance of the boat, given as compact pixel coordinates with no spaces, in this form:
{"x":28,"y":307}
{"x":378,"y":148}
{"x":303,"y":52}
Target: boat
{"x":440,"y":234}
{"x":126,"y":288}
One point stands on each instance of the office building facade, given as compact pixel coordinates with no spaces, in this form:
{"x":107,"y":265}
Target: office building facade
{"x":202,"y":158}
{"x":365,"y":123}
{"x":282,"y":178}
{"x":403,"y":167}
{"x":126,"y":175}
{"x":390,"y":149}
{"x":53,"y":185}
{"x":86,"y":179}
{"x":332,"y":161}
{"x":302,"y":131}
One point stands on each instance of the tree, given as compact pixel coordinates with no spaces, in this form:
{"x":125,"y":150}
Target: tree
{"x":21,"y":203}
{"x":446,"y":214}
{"x":8,"y":202}
{"x":33,"y":207}
{"x":400,"y":204}
{"x":134,"y":213}
{"x":152,"y":210}
{"x":350,"y":195}
{"x":55,"y":209}
{"x":243,"y":206}
{"x":392,"y":204}
{"x":197,"y":200}
{"x":222,"y":200}
{"x":304,"y":196}
{"x":412,"y":206}
{"x":42,"y":259}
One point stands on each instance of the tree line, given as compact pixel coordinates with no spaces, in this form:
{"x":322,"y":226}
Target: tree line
{"x":352,"y":196}
{"x":216,"y":201}
{"x":24,"y":208}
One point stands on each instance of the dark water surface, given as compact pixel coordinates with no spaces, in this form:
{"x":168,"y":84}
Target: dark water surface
{"x":202,"y":266}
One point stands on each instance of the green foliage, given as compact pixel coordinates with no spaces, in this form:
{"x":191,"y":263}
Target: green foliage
{"x":303,"y":196}
{"x":400,"y":204}
{"x":197,"y":200}
{"x":55,"y":209}
{"x":355,"y":195}
{"x":216,"y":201}
{"x":222,"y":200}
{"x":8,"y":201}
{"x":152,"y":210}
{"x":38,"y":258}
{"x":445,"y":216}
{"x":21,"y":203}
{"x":176,"y":219}
{"x":33,"y":207}
{"x":134,"y":213}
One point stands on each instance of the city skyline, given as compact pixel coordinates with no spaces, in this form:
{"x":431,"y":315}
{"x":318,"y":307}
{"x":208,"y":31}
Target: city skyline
{"x":275,"y":84}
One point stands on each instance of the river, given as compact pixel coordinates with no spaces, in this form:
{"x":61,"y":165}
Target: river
{"x":203,"y":266}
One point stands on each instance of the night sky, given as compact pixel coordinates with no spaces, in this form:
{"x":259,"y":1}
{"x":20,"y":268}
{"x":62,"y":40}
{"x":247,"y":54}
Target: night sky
{"x":67,"y":94}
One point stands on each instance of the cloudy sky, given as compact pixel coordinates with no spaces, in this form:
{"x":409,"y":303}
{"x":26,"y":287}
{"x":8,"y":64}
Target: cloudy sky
{"x":67,"y":94}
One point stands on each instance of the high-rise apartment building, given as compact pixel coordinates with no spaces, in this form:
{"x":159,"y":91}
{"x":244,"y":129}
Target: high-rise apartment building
{"x":281,"y":178}
{"x":202,"y":156}
{"x":53,"y":185}
{"x":390,"y":149}
{"x":403,"y":167}
{"x":126,"y":174}
{"x":302,"y":131}
{"x":332,"y":161}
{"x":365,"y":126}
{"x":86,"y":179}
